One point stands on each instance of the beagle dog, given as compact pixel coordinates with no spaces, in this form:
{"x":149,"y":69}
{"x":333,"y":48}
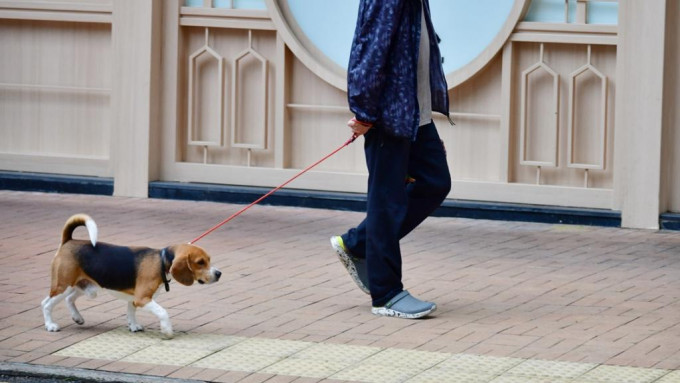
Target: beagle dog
{"x":134,"y":274}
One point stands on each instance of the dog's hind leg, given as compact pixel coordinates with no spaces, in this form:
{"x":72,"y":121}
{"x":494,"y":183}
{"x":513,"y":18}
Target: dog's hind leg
{"x":71,"y":304}
{"x":48,"y":305}
{"x":132,"y":318}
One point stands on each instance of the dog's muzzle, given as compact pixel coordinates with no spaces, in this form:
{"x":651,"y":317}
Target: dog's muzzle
{"x":214,"y":276}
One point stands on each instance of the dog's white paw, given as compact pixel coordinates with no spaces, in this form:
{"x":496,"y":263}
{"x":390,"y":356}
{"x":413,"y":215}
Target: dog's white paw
{"x":135,"y":327}
{"x":167,"y":332}
{"x":78,"y":319}
{"x":52,"y":327}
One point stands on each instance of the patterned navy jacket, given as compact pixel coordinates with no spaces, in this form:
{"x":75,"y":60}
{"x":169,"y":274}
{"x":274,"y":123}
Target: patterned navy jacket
{"x":382,"y":72}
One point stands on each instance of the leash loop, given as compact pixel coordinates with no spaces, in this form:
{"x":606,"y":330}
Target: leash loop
{"x":305,"y":170}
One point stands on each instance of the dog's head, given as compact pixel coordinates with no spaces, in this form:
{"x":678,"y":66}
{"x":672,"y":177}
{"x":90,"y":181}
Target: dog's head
{"x":191,"y":264}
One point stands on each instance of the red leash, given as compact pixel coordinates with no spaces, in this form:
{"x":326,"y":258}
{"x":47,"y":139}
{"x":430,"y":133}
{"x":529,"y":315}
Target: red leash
{"x":273,"y":190}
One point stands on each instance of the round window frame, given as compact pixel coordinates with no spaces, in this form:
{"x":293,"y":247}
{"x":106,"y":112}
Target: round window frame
{"x":322,"y":66}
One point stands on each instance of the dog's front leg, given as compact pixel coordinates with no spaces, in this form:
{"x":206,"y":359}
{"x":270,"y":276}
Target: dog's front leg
{"x":132,"y":318}
{"x":156,"y":309}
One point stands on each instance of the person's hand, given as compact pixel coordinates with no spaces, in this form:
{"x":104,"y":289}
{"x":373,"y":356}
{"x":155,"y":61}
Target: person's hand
{"x":359,"y":128}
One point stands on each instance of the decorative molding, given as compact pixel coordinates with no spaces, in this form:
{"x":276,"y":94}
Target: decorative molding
{"x":57,"y":6}
{"x":56,"y":88}
{"x":533,"y":26}
{"x":58,"y":164}
{"x":345,"y":109}
{"x":225,"y":18}
{"x":602,"y":118}
{"x":56,"y":11}
{"x":192,"y":90}
{"x":235,"y":117}
{"x":566,"y":33}
{"x":224,"y":13}
{"x":540,"y":65}
{"x":565,"y":38}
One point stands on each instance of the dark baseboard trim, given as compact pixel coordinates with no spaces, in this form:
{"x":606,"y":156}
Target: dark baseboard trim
{"x":357,"y":202}
{"x":54,"y":183}
{"x":670,"y":221}
{"x":530,"y":213}
{"x":248,"y":194}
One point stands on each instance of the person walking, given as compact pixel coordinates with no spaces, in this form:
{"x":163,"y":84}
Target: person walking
{"x":395,"y":81}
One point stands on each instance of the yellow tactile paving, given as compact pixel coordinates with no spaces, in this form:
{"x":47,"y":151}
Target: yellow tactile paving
{"x":524,"y":379}
{"x":549,"y":369}
{"x":420,"y":360}
{"x":337,"y":352}
{"x":270,"y":347}
{"x":673,"y":377}
{"x":347,"y":362}
{"x":444,"y":375}
{"x":307,"y":368}
{"x":112,"y":345}
{"x":616,"y":374}
{"x":211,"y":342}
{"x":479,"y":364}
{"x":376,"y":373}
{"x":235,"y":361}
{"x":171,"y":356}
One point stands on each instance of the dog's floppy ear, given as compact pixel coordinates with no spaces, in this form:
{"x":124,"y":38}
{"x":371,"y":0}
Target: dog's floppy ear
{"x":180,"y":270}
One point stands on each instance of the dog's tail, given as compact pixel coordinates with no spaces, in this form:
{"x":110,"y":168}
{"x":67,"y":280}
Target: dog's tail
{"x":79,"y":220}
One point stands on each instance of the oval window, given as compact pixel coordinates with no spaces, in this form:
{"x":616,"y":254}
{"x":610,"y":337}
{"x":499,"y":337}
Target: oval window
{"x":320,"y":33}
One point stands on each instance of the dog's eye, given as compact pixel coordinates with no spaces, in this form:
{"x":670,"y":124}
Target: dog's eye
{"x":201,"y":262}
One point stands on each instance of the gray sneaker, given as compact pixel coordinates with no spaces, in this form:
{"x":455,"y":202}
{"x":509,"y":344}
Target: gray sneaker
{"x":356,"y":267}
{"x":404,"y":305}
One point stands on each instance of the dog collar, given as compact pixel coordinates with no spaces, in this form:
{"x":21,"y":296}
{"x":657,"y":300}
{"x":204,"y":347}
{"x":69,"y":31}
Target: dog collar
{"x":165,"y":258}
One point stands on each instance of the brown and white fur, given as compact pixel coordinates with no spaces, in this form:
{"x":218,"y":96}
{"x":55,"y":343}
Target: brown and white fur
{"x":129,"y":273}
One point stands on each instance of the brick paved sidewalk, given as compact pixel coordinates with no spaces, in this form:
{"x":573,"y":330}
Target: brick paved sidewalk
{"x":504,"y":290}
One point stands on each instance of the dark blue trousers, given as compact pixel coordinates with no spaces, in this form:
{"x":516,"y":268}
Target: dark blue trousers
{"x":394,"y":207}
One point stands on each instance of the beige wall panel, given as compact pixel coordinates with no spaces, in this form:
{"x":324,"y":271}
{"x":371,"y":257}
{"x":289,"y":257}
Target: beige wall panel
{"x":472,"y":148}
{"x":564,"y":59}
{"x":473,"y":143}
{"x":102,"y":2}
{"x":55,"y":88}
{"x":229,"y":43}
{"x":317,"y":123}
{"x":671,"y":153}
{"x":315,"y":134}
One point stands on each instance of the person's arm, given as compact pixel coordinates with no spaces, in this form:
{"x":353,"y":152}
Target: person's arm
{"x":366,"y":73}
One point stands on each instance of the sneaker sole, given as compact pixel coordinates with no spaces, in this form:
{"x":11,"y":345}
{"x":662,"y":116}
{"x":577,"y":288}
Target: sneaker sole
{"x":349,"y":265}
{"x":385,"y":312}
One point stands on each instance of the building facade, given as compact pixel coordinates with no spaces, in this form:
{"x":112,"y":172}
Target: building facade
{"x":570,"y":103}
